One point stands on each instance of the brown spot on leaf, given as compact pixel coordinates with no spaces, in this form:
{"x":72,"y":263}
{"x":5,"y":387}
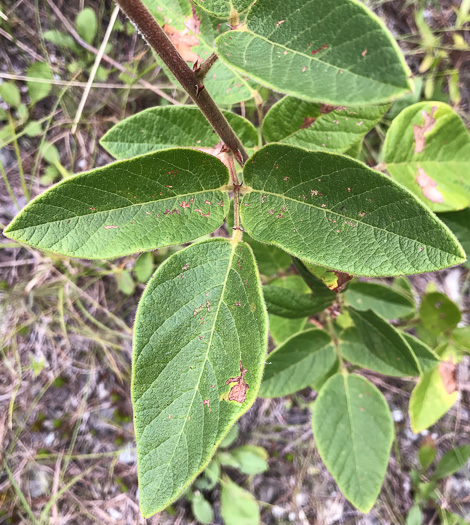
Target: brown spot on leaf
{"x":307,"y":123}
{"x":428,"y":186}
{"x":419,"y":131}
{"x":238,"y":391}
{"x":448,"y":372}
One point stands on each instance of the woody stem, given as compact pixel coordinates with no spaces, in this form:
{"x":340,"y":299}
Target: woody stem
{"x":189,"y":79}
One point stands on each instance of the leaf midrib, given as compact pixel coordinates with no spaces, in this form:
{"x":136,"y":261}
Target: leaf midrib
{"x":196,"y":389}
{"x":283,"y":196}
{"x":179,"y":196}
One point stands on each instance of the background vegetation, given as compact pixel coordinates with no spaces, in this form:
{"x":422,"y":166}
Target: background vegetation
{"x":66,"y":438}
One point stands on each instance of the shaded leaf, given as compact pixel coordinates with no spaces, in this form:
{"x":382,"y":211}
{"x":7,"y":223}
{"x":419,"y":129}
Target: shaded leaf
{"x":298,"y":362}
{"x":10,"y":94}
{"x":316,"y":126}
{"x":383,"y":348}
{"x":202,"y":509}
{"x":331,"y":210}
{"x":39,"y":90}
{"x":251,"y":459}
{"x":133,"y":205}
{"x":438,"y":313}
{"x":125,"y":282}
{"x":230,"y":437}
{"x":427,"y":452}
{"x":144,"y":267}
{"x":353,"y":431}
{"x":459,"y":223}
{"x":160,"y":128}
{"x":174,"y":12}
{"x":283,"y":301}
{"x":426,"y":357}
{"x":427,"y":149}
{"x":310,"y":49}
{"x":383,"y":300}
{"x":239,"y":507}
{"x":429,"y":401}
{"x":281,"y":328}
{"x":452,"y":461}
{"x":190,"y":336}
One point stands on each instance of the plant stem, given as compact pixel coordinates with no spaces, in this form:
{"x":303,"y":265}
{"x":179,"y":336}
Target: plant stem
{"x":189,"y":80}
{"x":236,"y":191}
{"x":203,"y":69}
{"x":18,"y":158}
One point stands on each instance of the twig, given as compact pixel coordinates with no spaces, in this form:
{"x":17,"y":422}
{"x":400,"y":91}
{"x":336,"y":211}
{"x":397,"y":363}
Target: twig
{"x":106,"y":58}
{"x":204,"y":68}
{"x":162,"y":45}
{"x":94,"y":69}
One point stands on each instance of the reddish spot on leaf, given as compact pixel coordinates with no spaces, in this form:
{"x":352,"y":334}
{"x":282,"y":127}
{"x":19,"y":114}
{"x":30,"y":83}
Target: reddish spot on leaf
{"x":110,"y":227}
{"x":419,"y":131}
{"x":304,"y":69}
{"x":428,"y":187}
{"x":238,"y":391}
{"x":279,"y":23}
{"x":324,"y":46}
{"x":206,"y":402}
{"x":364,"y":53}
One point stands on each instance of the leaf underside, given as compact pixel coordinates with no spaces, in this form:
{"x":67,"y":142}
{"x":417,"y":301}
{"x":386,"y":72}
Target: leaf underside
{"x":353,"y":431}
{"x":161,"y":128}
{"x":316,"y":126}
{"x":332,"y":51}
{"x":297,"y":363}
{"x":163,"y":198}
{"x":201,"y":314}
{"x":334,"y":211}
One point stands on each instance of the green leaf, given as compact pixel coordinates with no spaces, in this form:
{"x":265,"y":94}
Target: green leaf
{"x":125,"y":282}
{"x":230,"y":438}
{"x":202,"y":509}
{"x":427,"y":149}
{"x":144,"y":267}
{"x":461,"y":337}
{"x":317,"y":126}
{"x":426,"y":357}
{"x":426,"y":454}
{"x":410,"y":98}
{"x":251,"y":459}
{"x":61,"y":40}
{"x":353,"y":431}
{"x":270,"y":259}
{"x":33,"y":128}
{"x":331,"y":210}
{"x":449,"y":518}
{"x":239,"y":507}
{"x":459,"y":224}
{"x":10,"y":94}
{"x":50,"y":153}
{"x":312,"y":50}
{"x":383,"y":300}
{"x":283,"y":301}
{"x":224,"y":8}
{"x":200,"y":315}
{"x":452,"y":461}
{"x":297,"y":363}
{"x":87,"y":24}
{"x":173,"y":12}
{"x":415,"y":516}
{"x":39,"y":90}
{"x":227,"y":86}
{"x":429,"y":400}
{"x":161,"y":127}
{"x":163,"y":198}
{"x":438,"y":313}
{"x":281,"y":328}
{"x":383,"y":348}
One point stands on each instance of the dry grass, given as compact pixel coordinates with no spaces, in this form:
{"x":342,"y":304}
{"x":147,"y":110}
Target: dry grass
{"x":66,"y":437}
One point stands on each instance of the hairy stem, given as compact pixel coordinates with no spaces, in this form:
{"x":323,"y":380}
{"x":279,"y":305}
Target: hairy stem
{"x":236,"y":191}
{"x":189,"y":80}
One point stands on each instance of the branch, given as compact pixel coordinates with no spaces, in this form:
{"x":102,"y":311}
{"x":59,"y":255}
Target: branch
{"x":162,"y":45}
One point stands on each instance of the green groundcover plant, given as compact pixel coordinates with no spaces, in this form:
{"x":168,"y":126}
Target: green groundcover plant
{"x":304,"y":212}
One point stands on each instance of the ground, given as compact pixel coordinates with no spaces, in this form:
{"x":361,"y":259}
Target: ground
{"x":66,"y":436}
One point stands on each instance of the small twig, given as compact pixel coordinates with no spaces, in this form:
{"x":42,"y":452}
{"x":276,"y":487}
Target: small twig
{"x":94,"y":69}
{"x":21,"y":46}
{"x":204,"y":68}
{"x":162,"y":45}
